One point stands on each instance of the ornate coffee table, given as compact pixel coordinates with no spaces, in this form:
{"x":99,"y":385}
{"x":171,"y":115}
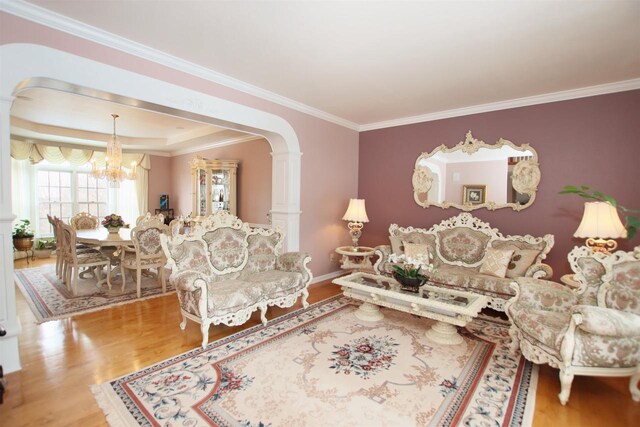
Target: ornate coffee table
{"x":447,"y":307}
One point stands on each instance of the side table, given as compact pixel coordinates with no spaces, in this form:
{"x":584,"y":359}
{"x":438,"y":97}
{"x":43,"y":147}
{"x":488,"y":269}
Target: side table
{"x":355,"y":258}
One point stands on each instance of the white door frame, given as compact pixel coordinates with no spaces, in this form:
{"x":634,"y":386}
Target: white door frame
{"x":27,"y":65}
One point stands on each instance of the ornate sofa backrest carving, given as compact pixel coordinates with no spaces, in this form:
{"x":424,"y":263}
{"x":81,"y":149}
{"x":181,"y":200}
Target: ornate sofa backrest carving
{"x":222,"y":244}
{"x":463,"y":239}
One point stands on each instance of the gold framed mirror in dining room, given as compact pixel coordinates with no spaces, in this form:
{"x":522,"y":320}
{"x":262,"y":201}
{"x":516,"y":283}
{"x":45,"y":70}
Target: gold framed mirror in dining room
{"x":473,"y":175}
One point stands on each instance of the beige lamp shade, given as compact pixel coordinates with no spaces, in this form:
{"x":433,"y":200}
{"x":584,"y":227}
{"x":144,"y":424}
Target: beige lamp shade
{"x":600,"y":219}
{"x":356,"y":211}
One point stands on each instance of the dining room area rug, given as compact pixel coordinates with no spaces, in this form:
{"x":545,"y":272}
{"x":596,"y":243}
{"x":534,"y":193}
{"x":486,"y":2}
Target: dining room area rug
{"x":49,"y":298}
{"x":322,"y":366}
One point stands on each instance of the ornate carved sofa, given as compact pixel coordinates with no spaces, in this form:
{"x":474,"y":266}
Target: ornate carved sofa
{"x":225,"y":270}
{"x":592,"y":329}
{"x":459,"y":249}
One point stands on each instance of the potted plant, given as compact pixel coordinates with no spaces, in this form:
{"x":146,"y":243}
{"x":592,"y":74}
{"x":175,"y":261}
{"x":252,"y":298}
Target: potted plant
{"x":23,"y":235}
{"x":409,"y":271}
{"x":44,"y":247}
{"x":113,"y":223}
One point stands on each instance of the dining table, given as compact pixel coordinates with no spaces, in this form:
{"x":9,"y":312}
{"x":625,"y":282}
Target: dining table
{"x":101,"y":237}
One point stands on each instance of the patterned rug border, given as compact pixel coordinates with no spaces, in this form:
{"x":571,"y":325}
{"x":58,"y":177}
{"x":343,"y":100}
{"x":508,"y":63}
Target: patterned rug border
{"x":118,"y":414}
{"x":41,"y":319}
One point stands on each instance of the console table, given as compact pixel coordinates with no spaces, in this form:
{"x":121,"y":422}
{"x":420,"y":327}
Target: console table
{"x":449,"y":308}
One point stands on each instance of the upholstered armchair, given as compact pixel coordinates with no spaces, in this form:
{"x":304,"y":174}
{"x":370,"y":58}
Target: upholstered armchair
{"x":593,"y":329}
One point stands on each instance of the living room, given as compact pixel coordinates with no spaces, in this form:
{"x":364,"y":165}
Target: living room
{"x":583,"y":131}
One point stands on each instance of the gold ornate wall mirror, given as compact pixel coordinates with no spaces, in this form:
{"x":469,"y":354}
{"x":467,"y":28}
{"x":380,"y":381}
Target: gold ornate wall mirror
{"x":473,"y":175}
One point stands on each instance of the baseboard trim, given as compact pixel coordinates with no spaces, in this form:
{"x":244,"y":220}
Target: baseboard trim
{"x":327,"y":276}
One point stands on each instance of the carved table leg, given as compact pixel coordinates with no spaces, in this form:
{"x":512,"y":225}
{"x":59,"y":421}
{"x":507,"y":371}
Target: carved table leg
{"x":369,"y":312}
{"x":444,"y":333}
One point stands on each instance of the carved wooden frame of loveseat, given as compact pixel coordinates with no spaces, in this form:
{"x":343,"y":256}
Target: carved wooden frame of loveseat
{"x":537,"y":270}
{"x":200,"y":264}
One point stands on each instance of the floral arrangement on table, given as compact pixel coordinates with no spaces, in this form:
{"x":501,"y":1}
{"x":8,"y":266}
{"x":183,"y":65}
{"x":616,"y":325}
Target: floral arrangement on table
{"x":409,"y":271}
{"x":113,"y":221}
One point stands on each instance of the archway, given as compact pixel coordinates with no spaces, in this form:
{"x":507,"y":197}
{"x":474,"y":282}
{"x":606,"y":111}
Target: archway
{"x":27,"y":66}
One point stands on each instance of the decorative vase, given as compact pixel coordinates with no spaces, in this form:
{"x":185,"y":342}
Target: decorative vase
{"x":113,"y":230}
{"x":409,"y":284}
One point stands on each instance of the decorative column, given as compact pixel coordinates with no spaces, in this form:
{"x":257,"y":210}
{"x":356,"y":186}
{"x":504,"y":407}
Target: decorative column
{"x":9,"y":352}
{"x":285,"y":197}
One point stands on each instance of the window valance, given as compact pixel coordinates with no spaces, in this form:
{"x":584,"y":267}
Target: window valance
{"x":36,"y":152}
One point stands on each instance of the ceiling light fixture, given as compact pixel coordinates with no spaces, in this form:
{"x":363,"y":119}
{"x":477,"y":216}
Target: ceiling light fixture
{"x":113,"y":171}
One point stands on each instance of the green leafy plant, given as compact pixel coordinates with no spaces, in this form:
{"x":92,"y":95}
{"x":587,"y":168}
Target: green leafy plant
{"x":42,"y":244}
{"x":22,"y":229}
{"x":410,"y":267}
{"x":632,"y":223}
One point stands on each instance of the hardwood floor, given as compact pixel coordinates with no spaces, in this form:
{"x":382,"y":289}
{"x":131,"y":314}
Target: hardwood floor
{"x":61,"y":359}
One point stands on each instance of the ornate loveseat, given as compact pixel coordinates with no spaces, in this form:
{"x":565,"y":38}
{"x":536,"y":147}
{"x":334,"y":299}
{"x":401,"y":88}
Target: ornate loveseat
{"x":458,"y":248}
{"x":225,"y":270}
{"x":591,"y":329}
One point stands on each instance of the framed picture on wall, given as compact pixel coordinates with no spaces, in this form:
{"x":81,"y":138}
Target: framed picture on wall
{"x":474,"y":194}
{"x":164,"y":201}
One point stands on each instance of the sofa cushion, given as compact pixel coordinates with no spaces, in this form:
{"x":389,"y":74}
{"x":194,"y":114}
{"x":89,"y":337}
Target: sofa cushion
{"x":496,"y":262}
{"x":462,"y":244}
{"x":466,"y":278}
{"x":420,"y":238}
{"x":262,"y":252}
{"x":624,"y":288}
{"x":520,"y":261}
{"x":227,"y":248}
{"x":249,"y":288}
{"x":416,"y":250}
{"x":542,"y":326}
{"x":518,"y":243}
{"x":396,"y":245}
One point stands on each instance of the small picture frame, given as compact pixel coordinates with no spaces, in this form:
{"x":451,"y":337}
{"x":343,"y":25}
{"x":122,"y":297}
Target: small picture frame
{"x":474,"y":194}
{"x":164,"y":201}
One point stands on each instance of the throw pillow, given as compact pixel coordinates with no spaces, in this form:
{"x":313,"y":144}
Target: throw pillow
{"x":396,"y":245}
{"x":496,"y":262}
{"x":412,"y":250}
{"x":521,"y":260}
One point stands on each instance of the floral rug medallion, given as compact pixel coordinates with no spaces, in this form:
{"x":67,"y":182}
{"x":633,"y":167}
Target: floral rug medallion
{"x":323,"y":366}
{"x":49,"y":298}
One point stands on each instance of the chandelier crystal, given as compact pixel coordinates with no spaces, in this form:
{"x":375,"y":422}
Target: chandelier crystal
{"x":113,"y":171}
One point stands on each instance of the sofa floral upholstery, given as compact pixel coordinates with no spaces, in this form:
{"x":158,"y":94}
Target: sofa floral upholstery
{"x":593,"y":329}
{"x":225,"y":270}
{"x":457,"y":248}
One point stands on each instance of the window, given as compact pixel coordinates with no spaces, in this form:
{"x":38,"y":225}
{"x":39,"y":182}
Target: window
{"x":66,"y":192}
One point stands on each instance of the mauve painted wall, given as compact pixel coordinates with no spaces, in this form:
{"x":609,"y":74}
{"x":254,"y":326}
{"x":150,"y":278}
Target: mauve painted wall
{"x":254,"y":178}
{"x":329,"y":165}
{"x":591,"y":141}
{"x":160,"y":178}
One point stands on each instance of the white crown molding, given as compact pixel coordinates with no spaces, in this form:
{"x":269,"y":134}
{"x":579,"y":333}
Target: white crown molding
{"x":565,"y":95}
{"x":65,"y":24}
{"x":225,"y":142}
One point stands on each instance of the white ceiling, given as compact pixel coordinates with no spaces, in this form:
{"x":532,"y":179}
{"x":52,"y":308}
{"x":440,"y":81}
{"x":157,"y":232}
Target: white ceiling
{"x":368,"y":62}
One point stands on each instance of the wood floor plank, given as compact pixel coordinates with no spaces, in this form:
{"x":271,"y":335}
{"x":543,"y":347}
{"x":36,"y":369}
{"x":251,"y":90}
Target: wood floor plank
{"x":62,"y":358}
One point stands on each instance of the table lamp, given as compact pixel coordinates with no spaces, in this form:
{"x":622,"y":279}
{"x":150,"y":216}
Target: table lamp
{"x":600,"y":225}
{"x":356,"y":215}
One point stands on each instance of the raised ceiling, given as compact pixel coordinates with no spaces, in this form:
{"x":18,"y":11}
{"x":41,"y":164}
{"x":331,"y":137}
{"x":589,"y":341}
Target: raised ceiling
{"x":50,"y":115}
{"x":371,"y":62}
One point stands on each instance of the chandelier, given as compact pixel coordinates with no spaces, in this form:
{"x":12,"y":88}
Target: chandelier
{"x":113,"y":171}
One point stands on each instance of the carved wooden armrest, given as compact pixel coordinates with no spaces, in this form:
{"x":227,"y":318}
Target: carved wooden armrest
{"x":539,"y":271}
{"x":606,"y":321}
{"x":382,"y":252}
{"x":295,"y":262}
{"x":542,"y":295}
{"x":190,"y":280}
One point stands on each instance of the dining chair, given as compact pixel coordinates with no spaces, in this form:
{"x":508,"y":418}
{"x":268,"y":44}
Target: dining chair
{"x":146,"y":252}
{"x":148,"y":216}
{"x":84,"y":221}
{"x":76,"y":260}
{"x":176,"y":226}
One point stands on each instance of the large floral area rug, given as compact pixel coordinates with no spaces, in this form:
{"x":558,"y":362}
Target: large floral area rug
{"x":49,"y":298}
{"x":322,"y":366}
